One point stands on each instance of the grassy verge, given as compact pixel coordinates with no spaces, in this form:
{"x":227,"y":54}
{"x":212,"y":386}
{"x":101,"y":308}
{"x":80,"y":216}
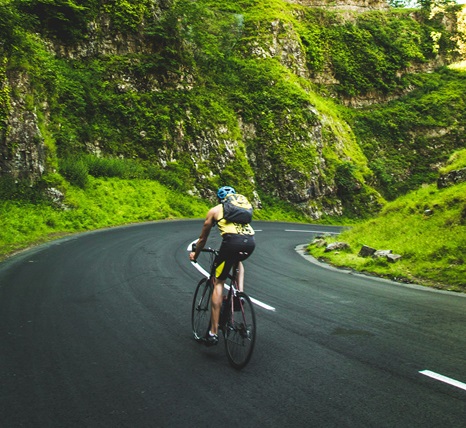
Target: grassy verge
{"x":104,"y":203}
{"x":107,"y":202}
{"x":426,"y":227}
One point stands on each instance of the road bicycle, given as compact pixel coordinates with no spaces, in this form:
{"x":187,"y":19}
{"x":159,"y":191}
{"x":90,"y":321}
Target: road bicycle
{"x":237,"y":319}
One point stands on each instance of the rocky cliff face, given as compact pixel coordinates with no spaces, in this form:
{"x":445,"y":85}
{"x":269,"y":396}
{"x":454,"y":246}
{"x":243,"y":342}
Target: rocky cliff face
{"x":357,"y":5}
{"x":22,"y":149}
{"x":265,"y":157}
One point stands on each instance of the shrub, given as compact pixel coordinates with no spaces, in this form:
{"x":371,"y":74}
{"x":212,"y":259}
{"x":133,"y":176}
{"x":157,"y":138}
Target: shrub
{"x":75,"y":170}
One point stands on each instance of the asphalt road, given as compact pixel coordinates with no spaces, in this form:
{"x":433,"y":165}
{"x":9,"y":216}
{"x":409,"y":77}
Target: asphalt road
{"x":95,"y":332}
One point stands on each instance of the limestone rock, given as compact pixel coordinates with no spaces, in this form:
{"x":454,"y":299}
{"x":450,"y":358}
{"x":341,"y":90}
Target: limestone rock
{"x":451,"y":178}
{"x":393,"y":257}
{"x":336,"y":246}
{"x":381,"y":253}
{"x":366,"y":251}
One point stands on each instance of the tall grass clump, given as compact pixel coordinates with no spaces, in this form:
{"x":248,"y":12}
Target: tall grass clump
{"x":114,"y":167}
{"x":75,"y":170}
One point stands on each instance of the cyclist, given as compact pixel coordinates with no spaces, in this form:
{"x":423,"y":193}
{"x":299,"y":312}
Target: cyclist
{"x":237,"y":244}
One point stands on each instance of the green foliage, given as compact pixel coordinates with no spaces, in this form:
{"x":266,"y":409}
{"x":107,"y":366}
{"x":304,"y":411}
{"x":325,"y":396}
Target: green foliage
{"x":119,"y":104}
{"x":370,"y":52}
{"x":312,"y":37}
{"x":407,"y":139}
{"x":114,"y":167}
{"x":367,"y":56}
{"x":75,"y":170}
{"x":63,"y":19}
{"x":175,"y":175}
{"x":275,"y":209}
{"x":358,"y":200}
{"x":429,"y":4}
{"x":127,"y":16}
{"x":10,"y":28}
{"x":346,"y":181}
{"x":399,"y":3}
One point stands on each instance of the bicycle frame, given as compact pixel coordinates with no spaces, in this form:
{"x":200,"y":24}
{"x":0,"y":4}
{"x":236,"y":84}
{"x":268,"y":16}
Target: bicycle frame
{"x":229,"y":299}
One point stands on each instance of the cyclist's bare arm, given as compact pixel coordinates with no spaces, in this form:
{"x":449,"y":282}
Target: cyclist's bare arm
{"x":210,"y":220}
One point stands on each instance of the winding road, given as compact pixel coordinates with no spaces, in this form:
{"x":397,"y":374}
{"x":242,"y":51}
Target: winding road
{"x":95,"y":332}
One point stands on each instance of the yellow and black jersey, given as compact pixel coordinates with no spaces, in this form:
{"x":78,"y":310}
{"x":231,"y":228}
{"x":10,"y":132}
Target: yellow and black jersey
{"x":225,"y":226}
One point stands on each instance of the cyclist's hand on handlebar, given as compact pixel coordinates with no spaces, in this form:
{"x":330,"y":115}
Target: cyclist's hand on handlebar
{"x":192,"y":256}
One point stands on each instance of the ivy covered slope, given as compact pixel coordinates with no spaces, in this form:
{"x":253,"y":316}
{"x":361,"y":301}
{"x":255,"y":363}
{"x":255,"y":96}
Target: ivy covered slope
{"x":201,"y":93}
{"x":407,"y":140}
{"x":427,"y":227}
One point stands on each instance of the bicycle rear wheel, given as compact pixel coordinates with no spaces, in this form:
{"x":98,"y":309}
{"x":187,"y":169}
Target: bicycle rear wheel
{"x":200,"y":317}
{"x":240,"y":332}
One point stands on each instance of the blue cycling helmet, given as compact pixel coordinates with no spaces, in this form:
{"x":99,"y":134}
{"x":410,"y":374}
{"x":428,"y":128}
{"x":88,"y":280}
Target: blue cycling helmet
{"x":224,"y":191}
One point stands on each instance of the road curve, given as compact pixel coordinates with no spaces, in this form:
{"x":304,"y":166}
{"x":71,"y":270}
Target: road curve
{"x":95,"y":332}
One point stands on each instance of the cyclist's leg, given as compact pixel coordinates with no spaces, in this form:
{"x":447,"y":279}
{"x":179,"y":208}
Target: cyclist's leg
{"x":217,"y":297}
{"x":240,"y":277}
{"x":222,"y":265}
{"x":244,"y":251}
{"x":234,"y":248}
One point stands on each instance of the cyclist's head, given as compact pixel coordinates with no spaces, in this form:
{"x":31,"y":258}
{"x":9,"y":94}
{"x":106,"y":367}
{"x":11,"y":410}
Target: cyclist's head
{"x":224,"y":191}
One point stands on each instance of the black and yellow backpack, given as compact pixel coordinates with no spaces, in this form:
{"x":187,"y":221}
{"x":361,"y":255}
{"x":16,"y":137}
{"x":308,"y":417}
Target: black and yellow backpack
{"x":237,"y":209}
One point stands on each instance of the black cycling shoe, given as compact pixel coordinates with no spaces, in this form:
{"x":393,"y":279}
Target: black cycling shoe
{"x":211,"y":340}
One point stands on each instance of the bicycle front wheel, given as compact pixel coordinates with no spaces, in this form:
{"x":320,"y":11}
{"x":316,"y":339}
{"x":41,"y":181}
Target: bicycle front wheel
{"x":200,"y":317}
{"x":240,"y":332}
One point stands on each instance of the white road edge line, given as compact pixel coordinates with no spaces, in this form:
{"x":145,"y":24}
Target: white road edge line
{"x":206,"y":274}
{"x":311,"y":231}
{"x":444,"y":379}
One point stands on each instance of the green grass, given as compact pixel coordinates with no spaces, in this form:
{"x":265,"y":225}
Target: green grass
{"x":456,"y":161}
{"x":432,"y":245}
{"x":107,"y":202}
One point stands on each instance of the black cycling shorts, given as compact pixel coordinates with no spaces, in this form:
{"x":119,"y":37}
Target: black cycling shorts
{"x":234,"y":248}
